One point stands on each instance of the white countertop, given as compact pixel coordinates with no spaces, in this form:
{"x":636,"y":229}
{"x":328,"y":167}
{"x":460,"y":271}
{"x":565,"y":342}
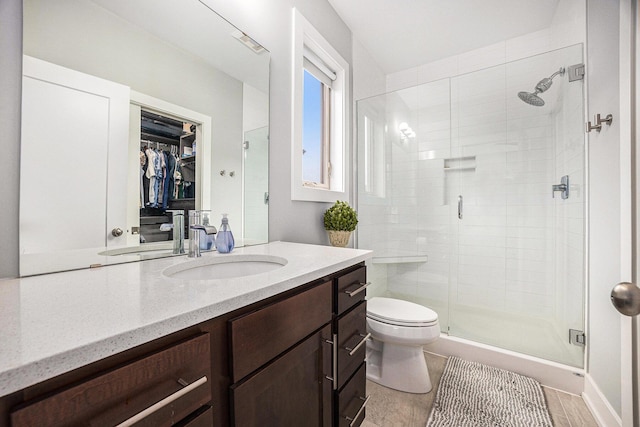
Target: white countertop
{"x":54,"y":323}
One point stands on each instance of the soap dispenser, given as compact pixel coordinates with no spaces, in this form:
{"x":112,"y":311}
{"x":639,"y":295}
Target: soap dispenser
{"x":224,"y":240}
{"x":207,"y":233}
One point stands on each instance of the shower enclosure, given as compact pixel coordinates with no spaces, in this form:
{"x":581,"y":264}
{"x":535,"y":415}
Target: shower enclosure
{"x":460,"y":195}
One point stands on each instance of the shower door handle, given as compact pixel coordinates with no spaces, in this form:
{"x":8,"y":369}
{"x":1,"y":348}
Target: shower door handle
{"x":563,"y":187}
{"x":459,"y":207}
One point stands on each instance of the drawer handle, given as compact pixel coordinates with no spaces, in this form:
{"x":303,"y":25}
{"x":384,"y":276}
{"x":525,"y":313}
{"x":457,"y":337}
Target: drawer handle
{"x":362,"y":287}
{"x":353,"y":420}
{"x":334,"y":362}
{"x":164,"y":402}
{"x":353,"y":350}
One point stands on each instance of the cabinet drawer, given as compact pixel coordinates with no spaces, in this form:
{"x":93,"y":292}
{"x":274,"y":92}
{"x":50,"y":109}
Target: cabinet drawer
{"x":352,"y":332}
{"x":352,"y":400}
{"x":258,"y":337}
{"x":117,"y":395}
{"x":350,"y":289}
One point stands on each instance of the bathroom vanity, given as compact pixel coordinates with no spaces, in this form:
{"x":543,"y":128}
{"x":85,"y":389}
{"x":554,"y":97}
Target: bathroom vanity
{"x":278,"y":348}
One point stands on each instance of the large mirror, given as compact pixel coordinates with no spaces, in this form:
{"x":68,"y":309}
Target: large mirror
{"x":135,"y":111}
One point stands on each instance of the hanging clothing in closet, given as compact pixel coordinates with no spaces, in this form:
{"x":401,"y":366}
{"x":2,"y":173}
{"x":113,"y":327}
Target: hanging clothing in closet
{"x":161,"y":178}
{"x":151,"y":175}
{"x":143,"y":170}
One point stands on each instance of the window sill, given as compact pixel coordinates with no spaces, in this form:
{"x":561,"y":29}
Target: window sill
{"x":310,"y":194}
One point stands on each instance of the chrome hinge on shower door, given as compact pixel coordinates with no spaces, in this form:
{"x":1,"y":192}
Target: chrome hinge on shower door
{"x":577,"y":337}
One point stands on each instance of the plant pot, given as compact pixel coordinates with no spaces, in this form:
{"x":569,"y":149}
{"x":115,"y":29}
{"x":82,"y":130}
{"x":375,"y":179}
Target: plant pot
{"x":339,"y":238}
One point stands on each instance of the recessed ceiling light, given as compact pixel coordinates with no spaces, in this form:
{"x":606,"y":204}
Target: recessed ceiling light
{"x":248,"y":41}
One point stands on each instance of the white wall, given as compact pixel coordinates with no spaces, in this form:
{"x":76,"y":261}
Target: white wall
{"x":270,"y":23}
{"x":368,"y":77}
{"x":605,"y":163}
{"x":10,"y":87}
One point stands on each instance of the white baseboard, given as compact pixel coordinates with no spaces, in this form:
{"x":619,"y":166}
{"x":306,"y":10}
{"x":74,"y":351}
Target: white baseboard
{"x":550,"y":374}
{"x":600,"y":408}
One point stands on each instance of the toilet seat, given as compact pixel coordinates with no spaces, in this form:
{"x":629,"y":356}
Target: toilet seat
{"x":400,"y":313}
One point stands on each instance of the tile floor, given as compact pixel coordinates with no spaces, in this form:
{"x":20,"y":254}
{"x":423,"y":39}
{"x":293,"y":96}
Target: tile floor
{"x":391,"y":408}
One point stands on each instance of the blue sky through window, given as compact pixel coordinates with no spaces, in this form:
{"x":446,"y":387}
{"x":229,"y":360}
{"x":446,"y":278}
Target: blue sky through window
{"x":312,"y":129}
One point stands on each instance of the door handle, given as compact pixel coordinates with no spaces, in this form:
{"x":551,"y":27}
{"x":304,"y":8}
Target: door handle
{"x":625,"y":297}
{"x":334,"y":361}
{"x":460,"y":207}
{"x":563,"y":187}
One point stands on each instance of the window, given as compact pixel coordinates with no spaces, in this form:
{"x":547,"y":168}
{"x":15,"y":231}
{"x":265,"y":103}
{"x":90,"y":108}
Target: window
{"x":315,"y":132}
{"x":320,"y":131}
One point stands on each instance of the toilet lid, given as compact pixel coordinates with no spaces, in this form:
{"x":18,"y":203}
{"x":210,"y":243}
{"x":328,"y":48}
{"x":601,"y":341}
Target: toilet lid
{"x":399,"y":312}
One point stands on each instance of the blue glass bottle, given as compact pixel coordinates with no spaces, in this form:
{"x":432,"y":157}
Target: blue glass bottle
{"x":224,"y":240}
{"x":206,"y":239}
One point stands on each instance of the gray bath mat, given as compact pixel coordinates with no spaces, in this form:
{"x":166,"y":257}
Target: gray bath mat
{"x":476,"y":395}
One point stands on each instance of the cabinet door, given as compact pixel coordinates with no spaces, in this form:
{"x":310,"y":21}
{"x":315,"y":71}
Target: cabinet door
{"x":291,"y":391}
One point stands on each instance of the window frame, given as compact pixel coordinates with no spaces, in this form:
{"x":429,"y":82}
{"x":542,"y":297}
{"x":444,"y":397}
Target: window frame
{"x":307,"y":39}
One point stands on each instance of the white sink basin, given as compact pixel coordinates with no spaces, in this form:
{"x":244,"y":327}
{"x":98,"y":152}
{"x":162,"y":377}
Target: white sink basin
{"x":224,"y":267}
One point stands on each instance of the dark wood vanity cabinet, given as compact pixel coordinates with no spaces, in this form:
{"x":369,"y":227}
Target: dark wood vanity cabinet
{"x":294,"y":359}
{"x":299,"y":360}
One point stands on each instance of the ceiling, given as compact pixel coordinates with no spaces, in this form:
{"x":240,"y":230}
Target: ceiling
{"x":401,"y":34}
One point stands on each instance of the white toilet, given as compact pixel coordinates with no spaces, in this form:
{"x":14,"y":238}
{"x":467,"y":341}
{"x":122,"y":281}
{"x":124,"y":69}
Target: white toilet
{"x":398,"y":330}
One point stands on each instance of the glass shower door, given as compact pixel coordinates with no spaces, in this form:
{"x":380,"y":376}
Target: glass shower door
{"x":256,"y":186}
{"x":403,"y":206}
{"x":518,"y":281}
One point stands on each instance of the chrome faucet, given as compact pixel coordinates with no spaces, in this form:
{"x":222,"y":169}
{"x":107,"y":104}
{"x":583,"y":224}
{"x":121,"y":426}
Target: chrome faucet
{"x":195,"y":225}
{"x":178,"y":230}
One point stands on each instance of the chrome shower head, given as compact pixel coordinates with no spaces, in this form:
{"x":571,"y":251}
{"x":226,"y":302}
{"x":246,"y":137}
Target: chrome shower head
{"x":531,"y":98}
{"x":543,"y":85}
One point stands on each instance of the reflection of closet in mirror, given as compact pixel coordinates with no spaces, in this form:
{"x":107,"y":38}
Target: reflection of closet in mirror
{"x":168,"y":150}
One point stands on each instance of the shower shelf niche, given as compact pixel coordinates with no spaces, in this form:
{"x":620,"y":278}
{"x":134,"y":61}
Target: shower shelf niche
{"x":460,"y":163}
{"x":400,"y":259}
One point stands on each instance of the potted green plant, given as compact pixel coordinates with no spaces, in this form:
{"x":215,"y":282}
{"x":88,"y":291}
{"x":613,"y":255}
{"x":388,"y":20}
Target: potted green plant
{"x":339,"y":221}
